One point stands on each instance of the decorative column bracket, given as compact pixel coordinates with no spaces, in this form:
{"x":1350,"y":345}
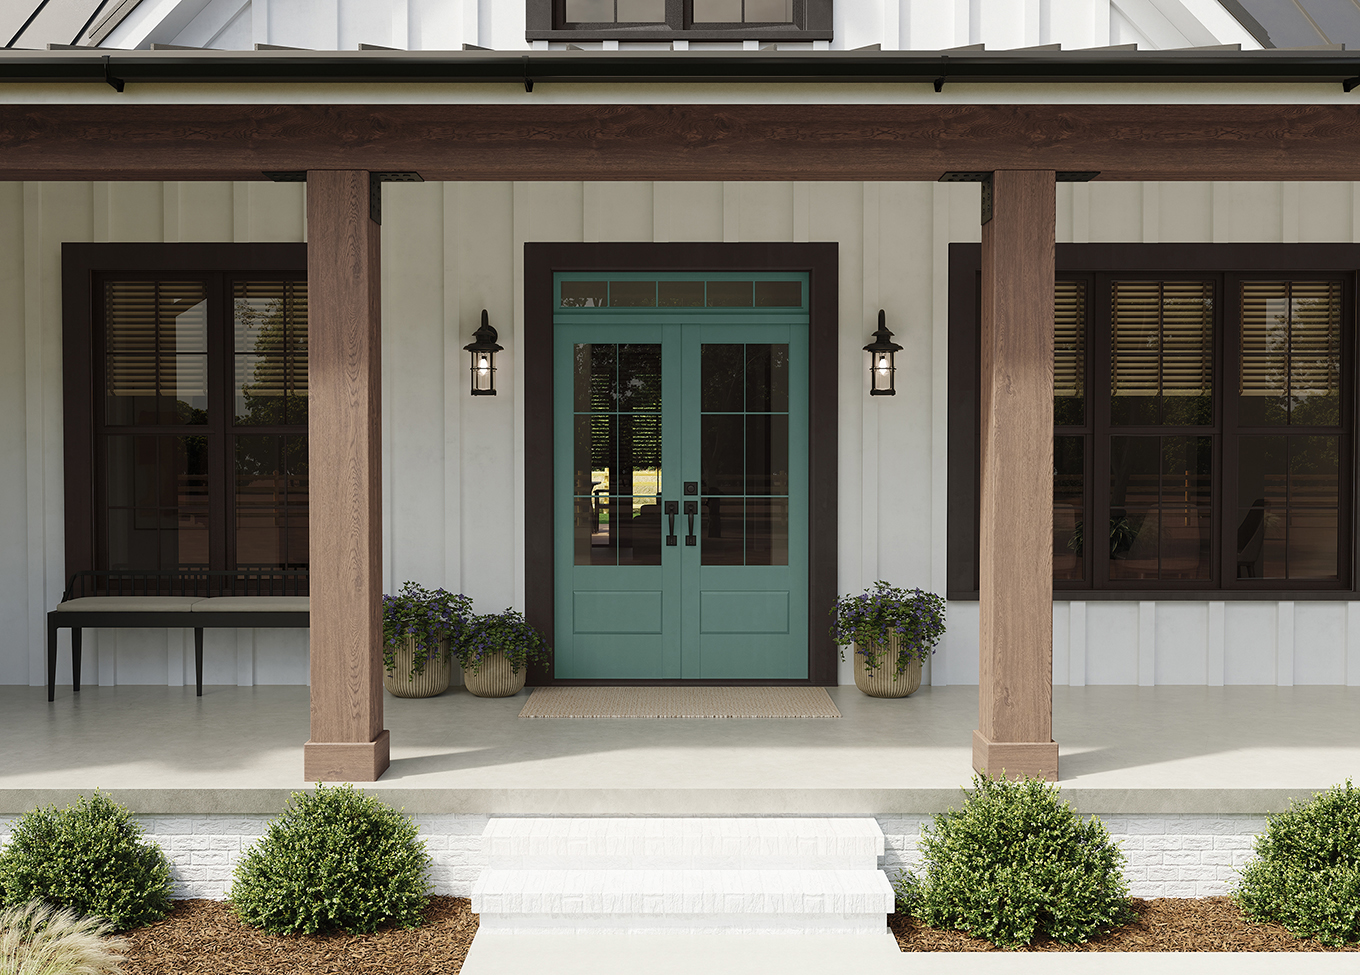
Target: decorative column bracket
{"x":985,"y":178}
{"x":375,"y":181}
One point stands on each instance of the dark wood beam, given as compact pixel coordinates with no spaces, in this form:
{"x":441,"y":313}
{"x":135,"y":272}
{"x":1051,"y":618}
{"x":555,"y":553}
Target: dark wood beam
{"x":1015,"y":673}
{"x":348,"y":742}
{"x":537,"y":141}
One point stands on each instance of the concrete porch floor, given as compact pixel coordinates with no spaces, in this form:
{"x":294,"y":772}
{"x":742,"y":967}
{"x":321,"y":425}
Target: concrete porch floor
{"x":1239,"y":749}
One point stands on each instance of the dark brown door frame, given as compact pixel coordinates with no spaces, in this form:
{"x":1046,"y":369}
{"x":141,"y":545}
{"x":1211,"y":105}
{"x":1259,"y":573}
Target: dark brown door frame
{"x":821,"y":262}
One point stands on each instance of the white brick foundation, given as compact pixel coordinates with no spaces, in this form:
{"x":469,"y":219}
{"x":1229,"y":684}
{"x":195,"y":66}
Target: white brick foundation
{"x":1167,"y":856}
{"x":1191,"y":855}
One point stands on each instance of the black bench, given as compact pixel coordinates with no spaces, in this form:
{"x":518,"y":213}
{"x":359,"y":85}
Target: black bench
{"x":197,"y":598}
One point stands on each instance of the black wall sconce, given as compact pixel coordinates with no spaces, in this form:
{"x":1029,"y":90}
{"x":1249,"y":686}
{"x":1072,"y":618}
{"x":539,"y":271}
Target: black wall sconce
{"x":483,"y":348}
{"x":882,"y":367}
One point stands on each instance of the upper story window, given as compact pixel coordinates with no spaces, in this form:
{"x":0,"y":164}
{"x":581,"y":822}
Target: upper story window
{"x":675,"y":20}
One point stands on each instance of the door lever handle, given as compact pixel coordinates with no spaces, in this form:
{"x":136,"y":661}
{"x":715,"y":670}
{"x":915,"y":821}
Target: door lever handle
{"x":672,"y":509}
{"x":691,"y":509}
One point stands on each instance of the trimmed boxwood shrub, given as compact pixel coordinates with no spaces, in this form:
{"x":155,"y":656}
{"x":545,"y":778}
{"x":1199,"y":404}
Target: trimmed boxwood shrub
{"x":88,"y":857}
{"x":1014,"y":863}
{"x":336,"y":859}
{"x":1306,"y":875}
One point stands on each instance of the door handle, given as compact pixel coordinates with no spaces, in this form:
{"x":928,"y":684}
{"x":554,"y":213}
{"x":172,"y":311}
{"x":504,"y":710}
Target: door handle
{"x":672,"y":509}
{"x":691,"y":509}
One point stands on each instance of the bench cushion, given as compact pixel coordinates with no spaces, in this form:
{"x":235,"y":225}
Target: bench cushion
{"x":129,"y":604}
{"x":253,"y":604}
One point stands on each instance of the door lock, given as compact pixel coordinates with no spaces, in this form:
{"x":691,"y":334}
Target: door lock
{"x":672,"y":509}
{"x":691,"y":509}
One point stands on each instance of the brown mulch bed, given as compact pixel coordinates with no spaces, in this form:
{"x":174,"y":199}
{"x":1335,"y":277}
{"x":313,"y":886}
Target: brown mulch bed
{"x":1162,"y":924}
{"x":203,"y":937}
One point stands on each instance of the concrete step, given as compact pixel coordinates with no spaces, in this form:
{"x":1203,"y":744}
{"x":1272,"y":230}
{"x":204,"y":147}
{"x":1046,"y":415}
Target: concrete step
{"x":507,"y":953}
{"x":693,"y":900}
{"x":681,"y":844}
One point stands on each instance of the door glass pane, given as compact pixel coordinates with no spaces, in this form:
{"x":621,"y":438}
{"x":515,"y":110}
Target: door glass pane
{"x":722,"y":375}
{"x":767,"y":531}
{"x":768,"y":11}
{"x":589,"y":12}
{"x":584,"y":294}
{"x":130,"y":384}
{"x":641,"y":11}
{"x":1069,"y":475}
{"x":721,"y":454}
{"x":779,"y":294}
{"x":680,"y":294}
{"x":1161,"y":369}
{"x":717,"y":11}
{"x":767,"y":378}
{"x":767,"y":454}
{"x":729,"y":294}
{"x":721,"y":535}
{"x":616,"y":449}
{"x":632,"y":294}
{"x":639,"y":377}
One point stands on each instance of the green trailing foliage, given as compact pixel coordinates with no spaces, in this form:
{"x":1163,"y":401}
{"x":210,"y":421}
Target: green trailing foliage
{"x":39,"y":939}
{"x":1016,"y":863}
{"x":1306,"y":874}
{"x":338,"y":858}
{"x":90,"y":858}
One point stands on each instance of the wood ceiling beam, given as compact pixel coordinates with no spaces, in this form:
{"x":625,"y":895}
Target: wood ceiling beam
{"x":671,"y":142}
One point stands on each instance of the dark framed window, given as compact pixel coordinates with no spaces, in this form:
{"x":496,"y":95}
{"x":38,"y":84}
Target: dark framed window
{"x":670,"y":20}
{"x":185,"y":394}
{"x":1203,"y":421}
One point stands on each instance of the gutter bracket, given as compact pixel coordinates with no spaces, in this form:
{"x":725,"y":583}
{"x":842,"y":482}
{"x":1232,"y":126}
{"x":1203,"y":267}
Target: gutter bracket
{"x":115,"y":83}
{"x":1350,"y":84}
{"x":528,"y":82}
{"x":944,"y":70}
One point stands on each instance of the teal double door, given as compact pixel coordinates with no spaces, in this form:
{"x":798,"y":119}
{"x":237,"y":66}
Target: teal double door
{"x":680,"y":477}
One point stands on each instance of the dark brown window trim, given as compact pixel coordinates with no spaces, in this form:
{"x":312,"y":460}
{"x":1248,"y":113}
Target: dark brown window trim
{"x":80,"y":263}
{"x":821,"y":262}
{"x":812,"y":22}
{"x":965,"y":263}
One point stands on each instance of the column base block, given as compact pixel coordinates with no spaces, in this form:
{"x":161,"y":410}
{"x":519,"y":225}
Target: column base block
{"x":1036,"y":759}
{"x":347,"y":761}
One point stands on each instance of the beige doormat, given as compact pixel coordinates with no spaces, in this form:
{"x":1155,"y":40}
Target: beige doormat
{"x":679,"y":702}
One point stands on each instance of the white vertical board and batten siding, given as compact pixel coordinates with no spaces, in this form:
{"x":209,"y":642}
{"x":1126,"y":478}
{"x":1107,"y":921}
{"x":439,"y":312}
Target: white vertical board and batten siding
{"x":453,"y":468}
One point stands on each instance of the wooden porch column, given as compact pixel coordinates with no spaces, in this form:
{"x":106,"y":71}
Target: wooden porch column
{"x":1015,"y":674}
{"x":348,"y":740}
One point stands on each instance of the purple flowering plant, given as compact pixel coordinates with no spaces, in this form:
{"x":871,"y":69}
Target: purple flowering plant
{"x":430,"y":617}
{"x":869,"y":619}
{"x":508,"y":633}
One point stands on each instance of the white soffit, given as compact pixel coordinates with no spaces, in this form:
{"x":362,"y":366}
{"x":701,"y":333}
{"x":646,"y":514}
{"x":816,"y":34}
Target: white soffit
{"x":153,"y":22}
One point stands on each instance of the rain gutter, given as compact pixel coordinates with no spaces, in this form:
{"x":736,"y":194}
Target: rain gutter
{"x":940,"y":69}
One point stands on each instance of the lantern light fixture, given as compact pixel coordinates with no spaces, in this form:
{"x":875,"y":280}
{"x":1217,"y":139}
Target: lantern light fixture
{"x":483,"y":349}
{"x":882,"y":367}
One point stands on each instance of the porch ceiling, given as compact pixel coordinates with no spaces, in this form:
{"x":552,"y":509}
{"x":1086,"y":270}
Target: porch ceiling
{"x":679,"y":142}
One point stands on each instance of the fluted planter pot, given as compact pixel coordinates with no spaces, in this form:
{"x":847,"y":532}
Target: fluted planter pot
{"x":883,"y":680}
{"x":494,"y":678}
{"x":433,"y":679}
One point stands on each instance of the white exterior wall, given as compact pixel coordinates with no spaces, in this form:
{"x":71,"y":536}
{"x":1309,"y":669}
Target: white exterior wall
{"x":453,"y":464}
{"x":920,"y":25}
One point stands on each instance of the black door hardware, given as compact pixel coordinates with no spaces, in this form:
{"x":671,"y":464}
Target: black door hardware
{"x":691,"y":509}
{"x":672,"y":509}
